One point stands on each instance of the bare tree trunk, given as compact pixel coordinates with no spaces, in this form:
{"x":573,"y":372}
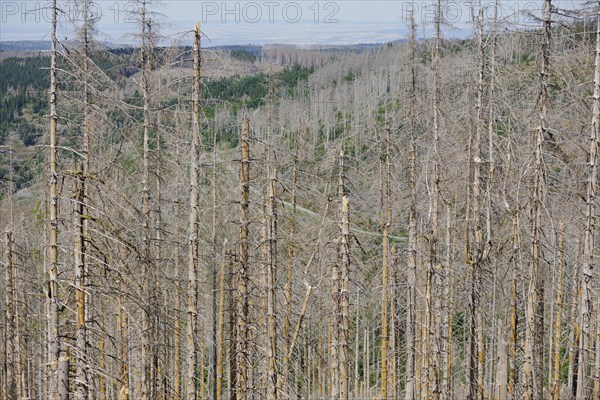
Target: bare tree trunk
{"x":477,"y":256}
{"x":64,"y":366}
{"x":123,"y":339}
{"x":447,"y":356}
{"x":334,"y":329}
{"x":102,"y":354}
{"x":177,"y":328}
{"x":11,"y":369}
{"x":431,"y":376}
{"x":242,"y":299}
{"x":215,"y":327}
{"x":574,"y":333}
{"x":558,"y":321}
{"x":272,"y":375}
{"x":512,"y":377}
{"x":393,"y":384}
{"x":531,"y":363}
{"x":232,"y":383}
{"x":54,"y":344}
{"x":587,"y":275}
{"x":81,"y":375}
{"x":386,"y":222}
{"x":409,"y":391}
{"x":148,"y":312}
{"x":221,"y":326}
{"x":344,"y":283}
{"x":193,"y":257}
{"x":488,"y":200}
{"x":596,"y":392}
{"x":288,"y":292}
{"x":501,"y":377}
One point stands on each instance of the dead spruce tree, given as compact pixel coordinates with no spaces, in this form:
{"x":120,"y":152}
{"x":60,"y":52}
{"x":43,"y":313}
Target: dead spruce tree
{"x":193,"y":241}
{"x":586,"y":307}
{"x":477,"y":254}
{"x":386,"y":222}
{"x":57,"y":373}
{"x":11,"y":367}
{"x":241,"y":328}
{"x":411,"y":316}
{"x":534,"y":376}
{"x":82,"y":377}
{"x":432,"y":335}
{"x":344,"y":295}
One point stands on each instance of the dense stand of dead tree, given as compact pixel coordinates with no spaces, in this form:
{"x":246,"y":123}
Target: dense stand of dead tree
{"x":426,"y":232}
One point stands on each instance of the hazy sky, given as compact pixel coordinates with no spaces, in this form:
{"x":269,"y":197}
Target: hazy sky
{"x":259,"y":22}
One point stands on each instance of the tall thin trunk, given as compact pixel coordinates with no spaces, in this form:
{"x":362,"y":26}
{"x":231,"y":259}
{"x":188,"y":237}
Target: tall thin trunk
{"x":475,"y":257}
{"x":159,"y":331}
{"x":574,"y":334}
{"x":344,"y":283}
{"x":288,"y":289}
{"x":533,"y":384}
{"x":449,"y":296}
{"x":242,"y":299}
{"x":501,"y":372}
{"x":193,"y":257}
{"x":124,"y":390}
{"x":409,"y":392}
{"x":233,"y":334}
{"x":221,"y":326}
{"x":54,"y":344}
{"x":11,"y":371}
{"x":81,"y":375}
{"x":488,"y":200}
{"x":596,"y":376}
{"x":512,"y":350}
{"x":334,"y":333}
{"x":215,"y":327}
{"x":393,"y":384}
{"x":148,"y":272}
{"x":386,"y":223}
{"x":177,"y":327}
{"x":101,"y":353}
{"x":596,"y":373}
{"x":555,"y":388}
{"x":587,"y":274}
{"x":272,"y":375}
{"x":432,"y":337}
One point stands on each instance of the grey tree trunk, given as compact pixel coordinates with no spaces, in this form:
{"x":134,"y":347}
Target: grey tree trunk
{"x":147,"y":350}
{"x":193,"y":258}
{"x":587,"y":275}
{"x":82,"y":366}
{"x":54,"y":344}
{"x":533,"y":382}
{"x":11,"y":367}
{"x":344,"y":284}
{"x":411,"y":317}
{"x":241,"y":361}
